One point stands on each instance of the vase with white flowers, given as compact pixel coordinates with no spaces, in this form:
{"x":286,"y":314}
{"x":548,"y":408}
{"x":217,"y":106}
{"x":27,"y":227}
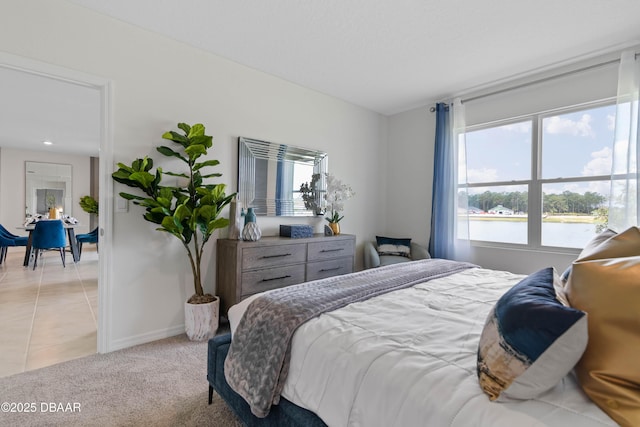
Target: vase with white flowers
{"x":337,"y":193}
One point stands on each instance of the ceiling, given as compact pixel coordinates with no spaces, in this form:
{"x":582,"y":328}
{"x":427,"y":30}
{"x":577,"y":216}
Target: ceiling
{"x":35,"y":108}
{"x":389,"y":56}
{"x":385,"y":56}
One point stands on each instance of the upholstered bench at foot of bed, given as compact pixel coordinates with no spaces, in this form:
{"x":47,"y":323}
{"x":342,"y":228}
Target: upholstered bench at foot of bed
{"x":285,"y":414}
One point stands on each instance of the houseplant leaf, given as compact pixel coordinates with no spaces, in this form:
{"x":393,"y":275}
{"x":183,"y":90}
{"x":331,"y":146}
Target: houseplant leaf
{"x":200,"y":165}
{"x":169,"y":152}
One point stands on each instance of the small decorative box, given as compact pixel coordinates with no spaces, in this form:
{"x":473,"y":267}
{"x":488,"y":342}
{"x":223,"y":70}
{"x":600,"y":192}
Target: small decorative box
{"x":296,"y":231}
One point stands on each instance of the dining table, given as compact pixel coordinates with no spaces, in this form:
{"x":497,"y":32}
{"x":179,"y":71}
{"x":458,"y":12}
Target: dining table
{"x":73,"y":244}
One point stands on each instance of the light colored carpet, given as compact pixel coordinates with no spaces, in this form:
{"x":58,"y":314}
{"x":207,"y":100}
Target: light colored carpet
{"x":162,"y":383}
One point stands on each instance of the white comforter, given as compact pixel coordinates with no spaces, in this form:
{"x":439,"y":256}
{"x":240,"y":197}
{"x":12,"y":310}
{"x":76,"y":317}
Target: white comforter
{"x":408,"y":358}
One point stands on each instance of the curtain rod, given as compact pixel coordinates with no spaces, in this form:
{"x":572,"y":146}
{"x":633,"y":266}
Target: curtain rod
{"x":538,"y":81}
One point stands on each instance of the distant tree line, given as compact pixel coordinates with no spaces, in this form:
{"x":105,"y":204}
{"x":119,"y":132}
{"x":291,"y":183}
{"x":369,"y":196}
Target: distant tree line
{"x":564,"y":203}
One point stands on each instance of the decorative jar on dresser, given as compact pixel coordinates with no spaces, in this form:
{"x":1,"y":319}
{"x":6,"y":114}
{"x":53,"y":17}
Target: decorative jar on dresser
{"x":245,"y":268}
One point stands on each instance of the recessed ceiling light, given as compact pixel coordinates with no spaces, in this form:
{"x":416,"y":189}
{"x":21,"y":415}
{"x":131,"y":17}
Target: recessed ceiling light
{"x":48,"y":142}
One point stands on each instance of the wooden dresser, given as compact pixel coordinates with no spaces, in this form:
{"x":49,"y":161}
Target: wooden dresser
{"x":245,"y":268}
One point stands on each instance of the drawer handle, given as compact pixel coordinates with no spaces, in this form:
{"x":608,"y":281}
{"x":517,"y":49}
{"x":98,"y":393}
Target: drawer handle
{"x":332,"y":250}
{"x":276,"y":278}
{"x":330,"y":269}
{"x":275,"y":256}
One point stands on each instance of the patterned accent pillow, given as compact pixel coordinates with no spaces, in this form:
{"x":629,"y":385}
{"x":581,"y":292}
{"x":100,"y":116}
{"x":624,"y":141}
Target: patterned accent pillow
{"x":392,"y":246}
{"x":530,"y":340}
{"x":605,"y":283}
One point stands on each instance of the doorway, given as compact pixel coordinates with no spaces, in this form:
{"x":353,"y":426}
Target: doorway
{"x":103,"y":155}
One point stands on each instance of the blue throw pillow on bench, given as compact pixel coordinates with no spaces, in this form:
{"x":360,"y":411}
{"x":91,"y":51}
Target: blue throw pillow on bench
{"x":391,"y":246}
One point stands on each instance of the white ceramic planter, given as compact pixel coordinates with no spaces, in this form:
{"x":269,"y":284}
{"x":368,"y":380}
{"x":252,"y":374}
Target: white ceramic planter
{"x":251,"y":232}
{"x":201,"y":320}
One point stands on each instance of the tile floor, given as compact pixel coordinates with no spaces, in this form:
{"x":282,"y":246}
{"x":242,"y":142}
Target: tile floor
{"x":49,"y":315}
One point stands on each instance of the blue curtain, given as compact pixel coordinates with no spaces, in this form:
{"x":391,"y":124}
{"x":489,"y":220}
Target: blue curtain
{"x":443,"y":209}
{"x":282,"y":182}
{"x":279,"y":186}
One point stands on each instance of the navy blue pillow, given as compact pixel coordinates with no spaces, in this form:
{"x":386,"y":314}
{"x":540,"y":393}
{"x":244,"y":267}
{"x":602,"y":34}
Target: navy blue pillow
{"x":530,"y":340}
{"x":393,"y":246}
{"x":532,"y":302}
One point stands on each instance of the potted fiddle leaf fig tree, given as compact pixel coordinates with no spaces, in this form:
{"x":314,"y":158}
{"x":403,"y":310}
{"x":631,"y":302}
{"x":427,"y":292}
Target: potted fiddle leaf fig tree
{"x":190,"y":210}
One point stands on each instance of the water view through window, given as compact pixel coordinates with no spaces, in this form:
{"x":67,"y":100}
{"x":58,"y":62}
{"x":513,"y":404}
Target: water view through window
{"x":563,"y":189}
{"x":564,"y":235}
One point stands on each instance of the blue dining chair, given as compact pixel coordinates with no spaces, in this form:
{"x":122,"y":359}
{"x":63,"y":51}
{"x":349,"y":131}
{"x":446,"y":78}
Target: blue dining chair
{"x":91,"y":237}
{"x":21,"y":240}
{"x":48,"y":234}
{"x":9,"y":240}
{"x":5,"y":243}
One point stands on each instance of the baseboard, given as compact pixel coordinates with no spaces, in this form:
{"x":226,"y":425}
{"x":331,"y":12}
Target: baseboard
{"x":159,"y":334}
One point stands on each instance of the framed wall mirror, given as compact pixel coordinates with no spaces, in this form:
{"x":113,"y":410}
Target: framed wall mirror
{"x":47,"y":185}
{"x":280,"y":179}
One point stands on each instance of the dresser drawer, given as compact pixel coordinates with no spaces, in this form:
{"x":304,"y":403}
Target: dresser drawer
{"x":271,"y":278}
{"x":328,"y":249}
{"x":245,"y":268}
{"x":271,"y":256}
{"x":333,"y":267}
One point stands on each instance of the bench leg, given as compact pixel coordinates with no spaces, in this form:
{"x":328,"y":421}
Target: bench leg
{"x":210,"y":394}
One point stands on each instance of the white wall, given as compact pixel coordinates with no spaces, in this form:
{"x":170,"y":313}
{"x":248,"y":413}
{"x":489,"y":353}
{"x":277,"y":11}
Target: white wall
{"x":412,"y":133}
{"x":12,"y":184}
{"x":159,"y":82}
{"x":410,"y":175}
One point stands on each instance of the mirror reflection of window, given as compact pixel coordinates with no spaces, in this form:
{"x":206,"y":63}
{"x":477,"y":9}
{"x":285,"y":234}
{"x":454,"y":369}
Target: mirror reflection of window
{"x":270,"y":177}
{"x":48,"y":198}
{"x":47,"y":185}
{"x":302,"y":173}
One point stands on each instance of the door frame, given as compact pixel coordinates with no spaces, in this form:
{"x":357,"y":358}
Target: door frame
{"x":105,"y":200}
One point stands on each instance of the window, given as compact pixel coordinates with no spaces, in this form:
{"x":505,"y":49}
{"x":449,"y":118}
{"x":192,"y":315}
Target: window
{"x":541,"y":180}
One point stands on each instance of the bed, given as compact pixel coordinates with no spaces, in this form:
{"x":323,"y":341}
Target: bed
{"x":407,"y":357}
